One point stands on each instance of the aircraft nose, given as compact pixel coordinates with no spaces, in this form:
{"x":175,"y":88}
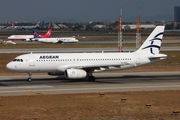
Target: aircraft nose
{"x":10,"y":66}
{"x":77,"y":40}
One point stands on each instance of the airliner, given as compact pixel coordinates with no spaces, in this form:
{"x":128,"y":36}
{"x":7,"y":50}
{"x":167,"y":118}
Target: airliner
{"x":47,"y":38}
{"x":20,"y":37}
{"x":57,"y":40}
{"x":29,"y":37}
{"x":39,"y":24}
{"x":83,"y":65}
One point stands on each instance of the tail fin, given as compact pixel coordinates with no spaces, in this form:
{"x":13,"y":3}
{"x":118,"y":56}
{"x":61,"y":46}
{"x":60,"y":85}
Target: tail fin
{"x":40,"y":24}
{"x":12,"y":24}
{"x":48,"y":34}
{"x":35,"y":34}
{"x":153,"y":43}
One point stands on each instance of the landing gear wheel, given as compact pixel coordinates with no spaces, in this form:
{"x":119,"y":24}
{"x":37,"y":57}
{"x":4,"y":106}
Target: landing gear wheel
{"x":29,"y":79}
{"x":91,"y":78}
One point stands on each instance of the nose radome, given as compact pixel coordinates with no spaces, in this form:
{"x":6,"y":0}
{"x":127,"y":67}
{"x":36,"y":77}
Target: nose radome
{"x":9,"y":66}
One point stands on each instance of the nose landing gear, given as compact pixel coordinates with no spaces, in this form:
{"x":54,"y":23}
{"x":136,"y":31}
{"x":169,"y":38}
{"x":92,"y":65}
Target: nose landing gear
{"x":90,"y":76}
{"x":29,"y":78}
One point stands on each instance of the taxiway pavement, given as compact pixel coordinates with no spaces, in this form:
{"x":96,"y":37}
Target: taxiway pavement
{"x":105,"y":82}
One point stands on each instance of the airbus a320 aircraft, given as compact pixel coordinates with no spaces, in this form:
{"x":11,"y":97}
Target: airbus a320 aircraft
{"x":29,"y":37}
{"x":35,"y":35}
{"x":47,"y":38}
{"x":39,"y":24}
{"x":57,"y":40}
{"x":82,"y":65}
{"x":20,"y":37}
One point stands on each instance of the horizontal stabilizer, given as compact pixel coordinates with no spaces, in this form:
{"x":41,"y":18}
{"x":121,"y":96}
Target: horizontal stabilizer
{"x":163,"y":56}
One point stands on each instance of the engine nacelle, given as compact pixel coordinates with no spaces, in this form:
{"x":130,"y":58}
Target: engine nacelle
{"x":75,"y":73}
{"x":55,"y":73}
{"x":28,"y":40}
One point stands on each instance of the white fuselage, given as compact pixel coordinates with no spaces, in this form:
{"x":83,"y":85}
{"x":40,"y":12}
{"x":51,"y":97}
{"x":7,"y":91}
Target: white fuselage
{"x":24,"y":27}
{"x":59,"y":62}
{"x":57,"y":40}
{"x":20,"y":37}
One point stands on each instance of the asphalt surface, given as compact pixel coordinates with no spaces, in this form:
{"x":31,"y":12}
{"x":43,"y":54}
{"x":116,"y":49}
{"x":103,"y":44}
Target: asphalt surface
{"x":105,"y":82}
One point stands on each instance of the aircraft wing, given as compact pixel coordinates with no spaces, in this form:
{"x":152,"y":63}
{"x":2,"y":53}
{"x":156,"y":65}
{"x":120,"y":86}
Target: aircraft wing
{"x":94,"y":67}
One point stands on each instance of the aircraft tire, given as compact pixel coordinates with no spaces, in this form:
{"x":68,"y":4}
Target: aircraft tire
{"x":29,"y":79}
{"x":91,"y":78}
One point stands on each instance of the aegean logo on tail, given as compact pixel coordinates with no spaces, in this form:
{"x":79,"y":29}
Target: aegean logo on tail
{"x":152,"y":43}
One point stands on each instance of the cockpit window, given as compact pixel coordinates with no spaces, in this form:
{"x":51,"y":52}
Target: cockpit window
{"x":18,"y":60}
{"x":14,"y":60}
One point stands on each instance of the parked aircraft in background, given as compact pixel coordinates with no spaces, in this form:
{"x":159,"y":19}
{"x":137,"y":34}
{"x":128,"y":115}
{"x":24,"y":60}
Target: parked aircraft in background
{"x":57,"y":40}
{"x":20,"y":37}
{"x":82,"y":65}
{"x":143,"y":26}
{"x":47,"y":38}
{"x":38,"y":25}
{"x":29,"y":37}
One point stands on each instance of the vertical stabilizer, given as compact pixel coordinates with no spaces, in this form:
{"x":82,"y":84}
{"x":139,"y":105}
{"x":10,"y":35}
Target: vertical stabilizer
{"x":35,"y":34}
{"x":153,"y":43}
{"x":48,"y":34}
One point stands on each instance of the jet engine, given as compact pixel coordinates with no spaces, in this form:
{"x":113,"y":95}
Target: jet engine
{"x":75,"y":73}
{"x":28,"y":40}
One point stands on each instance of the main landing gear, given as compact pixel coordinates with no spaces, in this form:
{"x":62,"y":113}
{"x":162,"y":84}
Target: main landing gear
{"x":91,"y":77}
{"x":29,"y":78}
